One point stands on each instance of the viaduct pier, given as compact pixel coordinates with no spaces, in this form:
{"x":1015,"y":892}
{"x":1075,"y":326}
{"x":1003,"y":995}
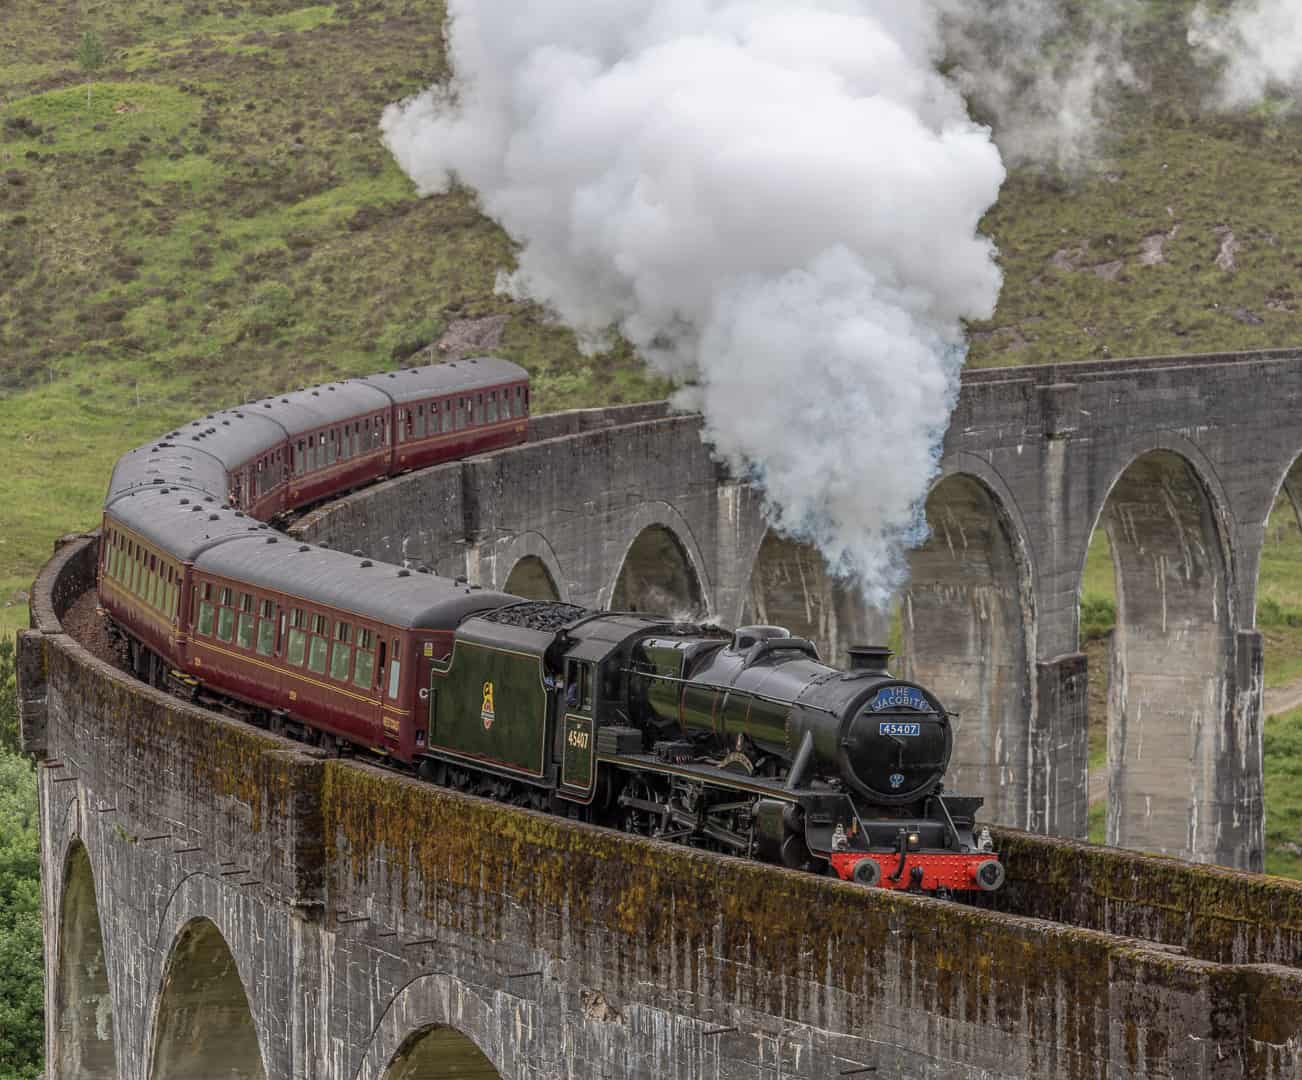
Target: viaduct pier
{"x":223,"y":902}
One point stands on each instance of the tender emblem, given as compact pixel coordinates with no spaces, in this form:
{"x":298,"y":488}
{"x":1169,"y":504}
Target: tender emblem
{"x":486,"y":713}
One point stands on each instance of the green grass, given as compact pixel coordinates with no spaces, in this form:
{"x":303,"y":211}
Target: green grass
{"x":1282,"y":751}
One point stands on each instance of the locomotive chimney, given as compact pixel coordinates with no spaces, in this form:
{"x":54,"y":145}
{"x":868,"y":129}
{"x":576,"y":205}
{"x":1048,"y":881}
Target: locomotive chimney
{"x":869,"y":659}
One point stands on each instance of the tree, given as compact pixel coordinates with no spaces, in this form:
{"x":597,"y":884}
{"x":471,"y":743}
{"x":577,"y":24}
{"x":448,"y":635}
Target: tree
{"x":9,"y":740}
{"x":21,"y":967}
{"x":21,"y":994}
{"x":90,"y":55}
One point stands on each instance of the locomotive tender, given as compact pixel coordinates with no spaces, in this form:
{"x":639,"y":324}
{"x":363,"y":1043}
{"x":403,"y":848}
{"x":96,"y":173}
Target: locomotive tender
{"x":743,"y":743}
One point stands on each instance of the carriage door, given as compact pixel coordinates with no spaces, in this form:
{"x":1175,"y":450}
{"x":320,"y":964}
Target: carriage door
{"x":578,"y":746}
{"x":433,"y":654}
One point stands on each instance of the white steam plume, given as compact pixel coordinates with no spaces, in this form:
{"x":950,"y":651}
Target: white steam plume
{"x":1044,"y":72}
{"x":775,"y":201}
{"x":1260,"y":42}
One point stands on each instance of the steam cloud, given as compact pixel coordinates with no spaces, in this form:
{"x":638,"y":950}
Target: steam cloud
{"x":1260,"y":42}
{"x":775,"y":201}
{"x":1044,"y":72}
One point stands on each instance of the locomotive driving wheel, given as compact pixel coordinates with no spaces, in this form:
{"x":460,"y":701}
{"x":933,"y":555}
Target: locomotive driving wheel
{"x":641,"y":809}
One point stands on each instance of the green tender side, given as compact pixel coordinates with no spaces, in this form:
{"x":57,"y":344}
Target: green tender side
{"x":490,"y":704}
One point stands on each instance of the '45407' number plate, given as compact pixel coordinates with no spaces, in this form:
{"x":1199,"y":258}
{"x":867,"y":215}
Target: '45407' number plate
{"x":897,"y":727}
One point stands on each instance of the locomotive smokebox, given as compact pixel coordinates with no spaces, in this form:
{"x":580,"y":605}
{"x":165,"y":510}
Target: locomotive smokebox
{"x":869,"y":659}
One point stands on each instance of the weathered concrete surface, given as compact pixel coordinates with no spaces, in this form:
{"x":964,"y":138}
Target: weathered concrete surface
{"x":1180,"y":459}
{"x":361,"y":910}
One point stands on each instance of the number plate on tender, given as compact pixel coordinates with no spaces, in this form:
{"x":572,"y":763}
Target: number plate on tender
{"x":899,"y":728}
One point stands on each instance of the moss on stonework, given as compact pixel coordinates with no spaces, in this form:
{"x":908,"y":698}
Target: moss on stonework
{"x":1217,"y":914}
{"x":469,"y":865}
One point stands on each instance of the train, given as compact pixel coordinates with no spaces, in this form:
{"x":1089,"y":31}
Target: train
{"x":741,"y":742}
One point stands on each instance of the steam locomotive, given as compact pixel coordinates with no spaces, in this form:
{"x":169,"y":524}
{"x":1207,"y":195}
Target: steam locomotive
{"x":743,"y":743}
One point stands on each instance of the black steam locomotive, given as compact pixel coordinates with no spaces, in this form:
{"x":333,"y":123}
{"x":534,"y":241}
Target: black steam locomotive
{"x":743,"y":743}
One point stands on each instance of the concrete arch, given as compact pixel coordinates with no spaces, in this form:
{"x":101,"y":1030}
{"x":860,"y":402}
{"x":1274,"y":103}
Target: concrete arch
{"x":530,"y":547}
{"x":440,"y":1053}
{"x":457,"y":1017}
{"x":967,"y":622}
{"x":1171,"y":680}
{"x":531,"y":579}
{"x":84,"y":1043}
{"x":662,"y":568}
{"x":203,"y":1025}
{"x":790,"y":586}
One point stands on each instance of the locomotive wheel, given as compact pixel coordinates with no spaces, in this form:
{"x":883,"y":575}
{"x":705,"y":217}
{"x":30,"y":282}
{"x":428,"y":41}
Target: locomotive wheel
{"x":635,"y":802}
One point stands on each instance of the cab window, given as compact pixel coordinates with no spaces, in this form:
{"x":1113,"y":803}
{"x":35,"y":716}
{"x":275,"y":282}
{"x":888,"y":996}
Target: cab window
{"x":578,"y":685}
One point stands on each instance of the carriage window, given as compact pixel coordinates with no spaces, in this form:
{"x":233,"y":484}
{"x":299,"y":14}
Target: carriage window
{"x":519,"y":401}
{"x":492,"y":408}
{"x":225,"y":619}
{"x":479,"y":408}
{"x":420,"y":421}
{"x":266,"y":628}
{"x":394,"y":671}
{"x":447,"y":416}
{"x":364,"y":672}
{"x":244,"y":635}
{"x":204,"y":621}
{"x":317,"y":649}
{"x":341,"y":658}
{"x":461,"y":413}
{"x":297,"y":636}
{"x":331,"y":445}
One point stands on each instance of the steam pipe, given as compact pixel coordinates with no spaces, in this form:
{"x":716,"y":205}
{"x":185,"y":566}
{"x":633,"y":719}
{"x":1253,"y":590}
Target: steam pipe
{"x":801,"y":765}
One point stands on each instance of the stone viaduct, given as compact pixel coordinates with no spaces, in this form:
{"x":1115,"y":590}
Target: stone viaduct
{"x":220,"y":902}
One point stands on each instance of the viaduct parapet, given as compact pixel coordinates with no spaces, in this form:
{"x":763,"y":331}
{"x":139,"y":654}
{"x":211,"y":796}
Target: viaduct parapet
{"x":1179,"y":459}
{"x":223,"y":903}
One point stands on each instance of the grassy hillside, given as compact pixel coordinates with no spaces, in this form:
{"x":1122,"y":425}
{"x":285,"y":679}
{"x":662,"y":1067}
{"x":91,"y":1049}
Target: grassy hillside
{"x":218,"y":221}
{"x":209,"y":215}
